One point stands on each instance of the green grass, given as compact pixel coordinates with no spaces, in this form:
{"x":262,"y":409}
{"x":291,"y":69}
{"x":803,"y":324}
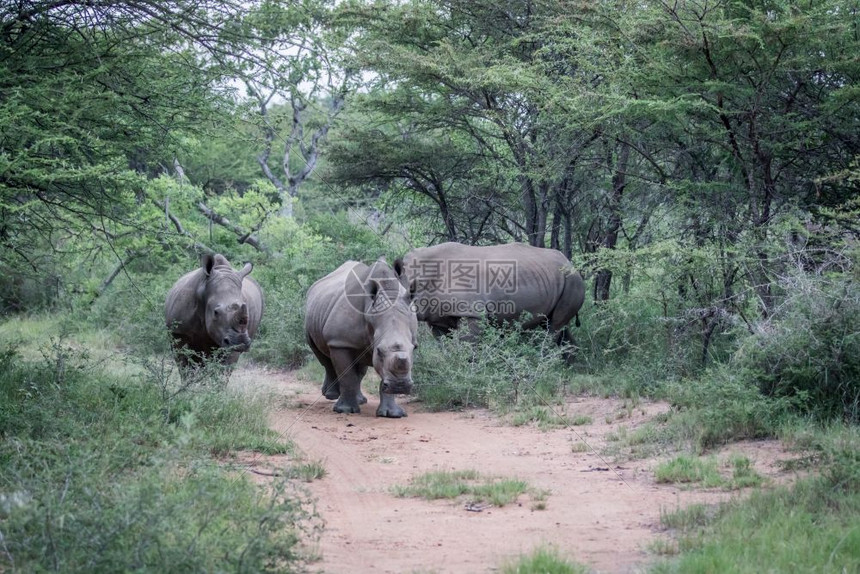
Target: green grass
{"x":543,"y":417}
{"x":100,"y":470}
{"x":581,"y":420}
{"x":543,"y":560}
{"x":743,"y":474}
{"x":812,"y":526}
{"x":468,"y":483}
{"x":308,"y":471}
{"x":686,"y":469}
{"x":808,"y":528}
{"x":687,"y":518}
{"x":706,"y":472}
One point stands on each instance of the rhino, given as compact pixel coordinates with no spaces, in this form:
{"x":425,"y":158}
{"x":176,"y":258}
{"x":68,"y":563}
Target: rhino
{"x":360,"y":316}
{"x":213,"y":311}
{"x":503,"y":282}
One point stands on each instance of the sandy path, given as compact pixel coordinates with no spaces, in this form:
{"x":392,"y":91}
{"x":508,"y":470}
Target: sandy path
{"x":602,"y":518}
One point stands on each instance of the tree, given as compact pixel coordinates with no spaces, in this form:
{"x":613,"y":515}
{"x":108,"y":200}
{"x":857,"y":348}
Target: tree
{"x":97,"y":97}
{"x":468,"y":71}
{"x":763,"y":102}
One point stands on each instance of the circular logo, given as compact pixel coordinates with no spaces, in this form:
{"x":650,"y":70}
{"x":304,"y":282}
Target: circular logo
{"x":371,"y":290}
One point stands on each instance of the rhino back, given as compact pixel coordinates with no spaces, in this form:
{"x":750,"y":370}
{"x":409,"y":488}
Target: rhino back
{"x":253,"y":295}
{"x":535,"y":286}
{"x":182,"y":312}
{"x":331,"y":320}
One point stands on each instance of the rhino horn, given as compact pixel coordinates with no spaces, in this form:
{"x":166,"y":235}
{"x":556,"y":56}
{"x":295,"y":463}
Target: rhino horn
{"x":245,"y":270}
{"x":242,"y":314}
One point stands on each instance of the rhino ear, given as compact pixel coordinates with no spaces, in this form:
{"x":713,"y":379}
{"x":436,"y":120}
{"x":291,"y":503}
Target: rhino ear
{"x":207,"y":261}
{"x":372,"y":289}
{"x":400,"y":271}
{"x":246,"y":270}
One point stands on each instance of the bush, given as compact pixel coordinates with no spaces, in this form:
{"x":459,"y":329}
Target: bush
{"x":96,"y":474}
{"x":720,"y":407}
{"x":809,"y":350}
{"x":504,"y":368}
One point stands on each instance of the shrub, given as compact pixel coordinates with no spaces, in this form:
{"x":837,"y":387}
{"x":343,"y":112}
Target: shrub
{"x":95,"y":477}
{"x":809,"y":350}
{"x":722,"y":406}
{"x":504,"y":368}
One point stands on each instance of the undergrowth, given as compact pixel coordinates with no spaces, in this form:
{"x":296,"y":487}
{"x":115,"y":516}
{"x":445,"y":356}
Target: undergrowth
{"x":102,"y":471}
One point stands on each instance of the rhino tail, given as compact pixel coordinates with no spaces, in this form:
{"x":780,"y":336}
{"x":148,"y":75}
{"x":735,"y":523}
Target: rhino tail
{"x":570,"y":301}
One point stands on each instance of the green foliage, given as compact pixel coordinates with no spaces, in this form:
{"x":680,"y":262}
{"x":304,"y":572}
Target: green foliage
{"x":542,"y":561}
{"x":809,"y":351}
{"x":505,"y":368}
{"x":720,"y":407}
{"x":95,"y":477}
{"x":86,"y":111}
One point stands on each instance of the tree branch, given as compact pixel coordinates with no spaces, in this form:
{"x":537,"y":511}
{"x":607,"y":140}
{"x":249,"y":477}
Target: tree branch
{"x":243,"y":237}
{"x":165,"y":206}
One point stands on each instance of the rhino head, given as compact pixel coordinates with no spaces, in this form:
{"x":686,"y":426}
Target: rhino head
{"x":225,"y":307}
{"x":392,"y":325}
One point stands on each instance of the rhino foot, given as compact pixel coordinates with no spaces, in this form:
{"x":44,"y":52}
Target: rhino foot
{"x":331,"y":391}
{"x":361,"y":398}
{"x":392,"y":412}
{"x":343,"y":407}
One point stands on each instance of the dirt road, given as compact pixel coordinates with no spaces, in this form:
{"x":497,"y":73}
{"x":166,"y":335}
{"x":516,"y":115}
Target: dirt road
{"x":598,"y":512}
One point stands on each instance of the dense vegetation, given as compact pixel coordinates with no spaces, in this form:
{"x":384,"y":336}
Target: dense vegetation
{"x":697,"y":160}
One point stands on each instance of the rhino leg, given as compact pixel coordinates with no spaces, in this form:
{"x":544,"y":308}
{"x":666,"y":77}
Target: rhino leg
{"x":387,"y":406}
{"x":361,"y":372}
{"x":349,"y":381}
{"x":330,"y":386}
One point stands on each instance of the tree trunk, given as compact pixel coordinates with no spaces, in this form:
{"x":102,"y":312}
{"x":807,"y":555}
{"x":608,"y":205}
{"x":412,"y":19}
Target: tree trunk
{"x":603,"y":279}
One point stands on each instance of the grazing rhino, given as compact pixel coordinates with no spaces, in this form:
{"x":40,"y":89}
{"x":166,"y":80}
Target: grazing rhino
{"x":357,"y":317}
{"x":211,"y":308}
{"x":456,"y":281}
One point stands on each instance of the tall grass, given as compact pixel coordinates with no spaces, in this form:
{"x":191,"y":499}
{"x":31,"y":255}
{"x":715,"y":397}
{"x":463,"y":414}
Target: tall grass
{"x":100,"y":472}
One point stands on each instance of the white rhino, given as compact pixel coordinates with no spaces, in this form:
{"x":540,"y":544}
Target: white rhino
{"x":456,"y":282}
{"x":213,"y":307}
{"x":357,"y":317}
